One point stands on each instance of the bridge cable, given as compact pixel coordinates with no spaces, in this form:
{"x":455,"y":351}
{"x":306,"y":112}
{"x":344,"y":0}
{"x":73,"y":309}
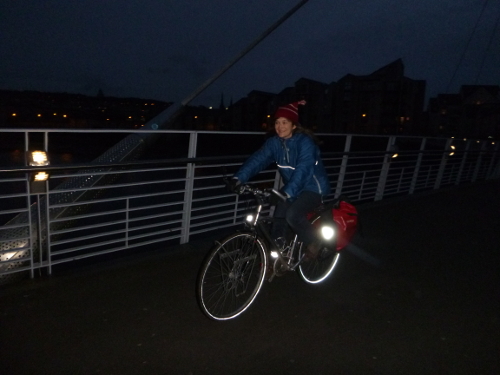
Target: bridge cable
{"x":466,"y":47}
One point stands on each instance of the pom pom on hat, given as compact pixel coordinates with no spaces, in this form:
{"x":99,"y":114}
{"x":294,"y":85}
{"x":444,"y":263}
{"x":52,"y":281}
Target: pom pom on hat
{"x":290,"y":111}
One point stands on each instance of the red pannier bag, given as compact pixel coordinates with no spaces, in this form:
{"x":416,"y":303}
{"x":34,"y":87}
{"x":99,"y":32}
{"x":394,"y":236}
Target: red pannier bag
{"x":346,"y":217}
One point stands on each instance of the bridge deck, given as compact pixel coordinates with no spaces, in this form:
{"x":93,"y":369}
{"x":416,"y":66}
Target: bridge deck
{"x":425,"y":301}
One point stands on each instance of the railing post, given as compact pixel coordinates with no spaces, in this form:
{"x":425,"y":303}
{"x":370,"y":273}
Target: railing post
{"x":462,"y":164}
{"x":343,"y":168}
{"x":442,"y":165}
{"x":414,"y":179}
{"x":492,"y":172}
{"x":189,"y":187}
{"x":384,"y":172}
{"x":478,"y":162}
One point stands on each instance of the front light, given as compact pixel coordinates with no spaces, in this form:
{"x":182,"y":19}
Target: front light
{"x":274,"y":254}
{"x":249,"y":218}
{"x":327,"y":232}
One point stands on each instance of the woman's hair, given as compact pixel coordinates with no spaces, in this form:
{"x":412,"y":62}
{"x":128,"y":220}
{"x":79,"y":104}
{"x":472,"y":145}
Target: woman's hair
{"x":300,"y":129}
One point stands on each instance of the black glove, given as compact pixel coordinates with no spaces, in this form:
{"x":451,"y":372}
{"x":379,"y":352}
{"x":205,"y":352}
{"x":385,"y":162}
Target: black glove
{"x":234,"y":186}
{"x":276,"y":197}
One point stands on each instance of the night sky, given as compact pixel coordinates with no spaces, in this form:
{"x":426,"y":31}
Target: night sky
{"x":161,"y":49}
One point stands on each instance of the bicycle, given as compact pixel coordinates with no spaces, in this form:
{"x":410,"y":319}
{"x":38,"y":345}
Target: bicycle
{"x":235,"y":269}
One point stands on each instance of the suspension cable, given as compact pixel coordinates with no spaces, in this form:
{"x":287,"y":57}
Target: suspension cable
{"x":466,"y":47}
{"x":488,"y":48}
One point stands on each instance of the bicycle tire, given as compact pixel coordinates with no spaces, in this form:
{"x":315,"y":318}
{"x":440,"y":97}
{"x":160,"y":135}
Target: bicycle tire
{"x":231,"y":276}
{"x":317,"y":270}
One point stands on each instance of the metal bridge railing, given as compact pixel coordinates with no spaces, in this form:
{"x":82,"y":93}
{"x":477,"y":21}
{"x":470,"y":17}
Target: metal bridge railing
{"x":156,"y":202}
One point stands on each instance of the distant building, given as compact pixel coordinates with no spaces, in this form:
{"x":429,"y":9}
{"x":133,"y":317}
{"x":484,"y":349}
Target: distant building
{"x":383,"y":102}
{"x":33,"y":109}
{"x":252,"y":112}
{"x":473,"y":112}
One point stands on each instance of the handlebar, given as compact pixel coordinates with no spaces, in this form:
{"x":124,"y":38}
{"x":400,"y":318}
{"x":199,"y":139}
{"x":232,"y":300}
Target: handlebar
{"x":258,"y":192}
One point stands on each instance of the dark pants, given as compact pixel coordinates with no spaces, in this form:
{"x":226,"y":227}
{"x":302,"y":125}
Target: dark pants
{"x":295,"y":215}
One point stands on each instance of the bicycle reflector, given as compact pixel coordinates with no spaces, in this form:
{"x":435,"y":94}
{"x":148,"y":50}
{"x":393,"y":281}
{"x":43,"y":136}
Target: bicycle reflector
{"x":327,"y":232}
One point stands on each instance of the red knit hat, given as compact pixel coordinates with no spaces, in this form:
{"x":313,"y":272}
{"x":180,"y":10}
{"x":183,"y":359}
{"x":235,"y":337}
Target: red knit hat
{"x":290,"y":111}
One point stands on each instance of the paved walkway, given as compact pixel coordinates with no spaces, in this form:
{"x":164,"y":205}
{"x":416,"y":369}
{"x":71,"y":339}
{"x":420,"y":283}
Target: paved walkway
{"x":418,"y":294}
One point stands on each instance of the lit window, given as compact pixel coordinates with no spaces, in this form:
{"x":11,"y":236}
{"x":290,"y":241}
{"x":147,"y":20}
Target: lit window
{"x":39,"y":115}
{"x":55,"y":114}
{"x":14,"y":114}
{"x":65,"y":116}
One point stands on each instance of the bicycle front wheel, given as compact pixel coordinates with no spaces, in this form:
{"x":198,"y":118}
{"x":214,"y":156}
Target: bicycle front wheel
{"x":231,"y":276}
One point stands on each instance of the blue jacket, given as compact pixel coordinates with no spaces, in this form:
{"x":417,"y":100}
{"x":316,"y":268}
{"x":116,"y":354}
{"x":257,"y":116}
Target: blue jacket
{"x":299,"y":162}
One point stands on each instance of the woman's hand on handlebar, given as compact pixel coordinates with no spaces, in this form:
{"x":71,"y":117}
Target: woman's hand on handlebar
{"x":234,"y":186}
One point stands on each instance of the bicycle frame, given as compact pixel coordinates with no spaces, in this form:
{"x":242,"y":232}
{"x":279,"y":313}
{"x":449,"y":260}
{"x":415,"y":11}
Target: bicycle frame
{"x":282,"y":257}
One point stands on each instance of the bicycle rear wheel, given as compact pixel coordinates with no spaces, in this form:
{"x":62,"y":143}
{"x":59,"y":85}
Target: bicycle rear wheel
{"x":231,"y":276}
{"x":317,"y":270}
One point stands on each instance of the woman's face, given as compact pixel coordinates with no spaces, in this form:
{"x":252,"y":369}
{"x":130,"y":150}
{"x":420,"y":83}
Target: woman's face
{"x":284,"y":127}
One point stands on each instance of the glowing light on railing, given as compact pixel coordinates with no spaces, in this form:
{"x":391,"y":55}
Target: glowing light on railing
{"x":41,"y":176}
{"x":38,"y":159}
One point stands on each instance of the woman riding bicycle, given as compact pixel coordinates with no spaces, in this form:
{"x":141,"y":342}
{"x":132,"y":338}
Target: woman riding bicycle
{"x":297,"y":156}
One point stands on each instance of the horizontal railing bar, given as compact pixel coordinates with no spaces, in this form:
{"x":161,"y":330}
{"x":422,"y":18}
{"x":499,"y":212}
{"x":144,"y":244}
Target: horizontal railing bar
{"x":113,"y":250}
{"x":13,"y":226}
{"x":89,"y":237}
{"x":117,"y":171}
{"x":15,"y":195}
{"x":76,"y":217}
{"x":85,"y":227}
{"x":18,"y":211}
{"x":140,"y":218}
{"x":110,"y":187}
{"x":206,"y":159}
{"x":123,"y":198}
{"x":86,"y":247}
{"x":5,"y":180}
{"x":7,"y":251}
